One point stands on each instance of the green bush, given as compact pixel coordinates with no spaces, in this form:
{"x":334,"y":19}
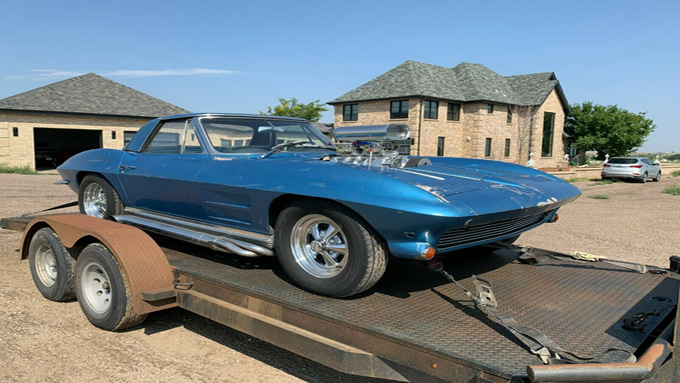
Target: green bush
{"x":575,"y":179}
{"x":672,"y":190}
{"x":676,"y":173}
{"x":17,"y":169}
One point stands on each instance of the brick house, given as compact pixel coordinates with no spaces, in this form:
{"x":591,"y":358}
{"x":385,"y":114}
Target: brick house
{"x":72,"y":115}
{"x":465,"y":111}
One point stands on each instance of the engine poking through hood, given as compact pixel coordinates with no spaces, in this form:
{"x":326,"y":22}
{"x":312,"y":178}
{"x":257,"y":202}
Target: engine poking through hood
{"x":375,"y":145}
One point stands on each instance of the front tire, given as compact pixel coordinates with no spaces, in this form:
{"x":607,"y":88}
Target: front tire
{"x":103,"y":293}
{"x":52,"y":266}
{"x":328,"y":250}
{"x":97,"y":198}
{"x":658,"y":177}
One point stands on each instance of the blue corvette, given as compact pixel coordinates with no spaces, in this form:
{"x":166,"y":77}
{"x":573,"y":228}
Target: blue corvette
{"x":332,"y":213}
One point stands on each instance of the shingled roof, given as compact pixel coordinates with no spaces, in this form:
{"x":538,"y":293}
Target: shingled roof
{"x":465,"y":82}
{"x":90,"y":94}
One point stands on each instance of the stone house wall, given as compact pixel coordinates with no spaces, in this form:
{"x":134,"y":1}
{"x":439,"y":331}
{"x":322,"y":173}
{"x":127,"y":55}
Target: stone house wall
{"x":467,"y":137}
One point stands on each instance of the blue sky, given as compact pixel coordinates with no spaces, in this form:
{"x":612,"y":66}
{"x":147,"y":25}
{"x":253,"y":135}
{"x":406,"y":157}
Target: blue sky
{"x":242,"y":56}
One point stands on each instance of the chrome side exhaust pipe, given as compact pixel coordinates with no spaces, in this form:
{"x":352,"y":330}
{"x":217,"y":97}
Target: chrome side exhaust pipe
{"x":218,"y":243}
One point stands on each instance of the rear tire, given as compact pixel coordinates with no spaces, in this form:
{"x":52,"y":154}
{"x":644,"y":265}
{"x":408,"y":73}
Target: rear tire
{"x":52,"y":266}
{"x":97,"y":198}
{"x":103,"y":293}
{"x":348,"y":260}
{"x":644,"y":178}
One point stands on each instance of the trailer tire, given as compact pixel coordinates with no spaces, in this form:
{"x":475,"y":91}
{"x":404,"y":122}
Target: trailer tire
{"x":97,"y":198}
{"x":103,"y":291}
{"x":52,"y":267}
{"x":313,"y":264}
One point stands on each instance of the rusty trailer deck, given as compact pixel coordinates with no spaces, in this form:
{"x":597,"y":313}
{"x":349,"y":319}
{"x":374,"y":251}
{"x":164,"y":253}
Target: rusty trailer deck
{"x":415,"y":325}
{"x":416,"y":321}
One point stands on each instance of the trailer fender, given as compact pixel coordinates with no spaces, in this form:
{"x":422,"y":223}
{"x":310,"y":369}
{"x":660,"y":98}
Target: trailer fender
{"x":142,"y":262}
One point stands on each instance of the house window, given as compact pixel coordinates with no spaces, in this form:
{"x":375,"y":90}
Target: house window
{"x":487,"y":148}
{"x":489,"y":108}
{"x":548,"y":132}
{"x":431,"y":109}
{"x":440,"y":146}
{"x":399,"y":109}
{"x":509,"y":115}
{"x":350,"y":112}
{"x":453,"y":112}
{"x":15,"y":132}
{"x":113,"y":134}
{"x":507,"y":147}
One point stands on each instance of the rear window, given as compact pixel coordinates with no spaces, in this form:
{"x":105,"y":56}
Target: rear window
{"x":627,"y":161}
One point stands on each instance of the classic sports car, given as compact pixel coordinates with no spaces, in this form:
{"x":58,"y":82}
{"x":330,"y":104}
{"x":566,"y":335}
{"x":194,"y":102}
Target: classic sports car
{"x":332,"y":213}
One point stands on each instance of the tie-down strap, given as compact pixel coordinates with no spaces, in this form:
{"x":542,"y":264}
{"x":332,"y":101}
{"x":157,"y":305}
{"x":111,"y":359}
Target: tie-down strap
{"x":537,"y":342}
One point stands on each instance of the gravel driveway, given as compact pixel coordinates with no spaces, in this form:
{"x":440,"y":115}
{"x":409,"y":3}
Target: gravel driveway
{"x":46,"y":341}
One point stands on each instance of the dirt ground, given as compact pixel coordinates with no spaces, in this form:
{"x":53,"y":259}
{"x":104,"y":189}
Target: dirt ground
{"x":46,"y":341}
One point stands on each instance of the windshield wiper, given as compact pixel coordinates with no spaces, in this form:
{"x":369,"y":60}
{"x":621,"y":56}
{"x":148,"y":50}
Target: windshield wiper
{"x":327,"y":147}
{"x":278,"y":147}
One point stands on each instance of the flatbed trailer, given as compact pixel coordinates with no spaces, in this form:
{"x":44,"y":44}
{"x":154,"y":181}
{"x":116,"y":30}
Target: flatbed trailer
{"x":414,"y":325}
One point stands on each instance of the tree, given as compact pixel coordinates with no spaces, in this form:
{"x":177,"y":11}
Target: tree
{"x":291,"y":108}
{"x":524,"y":115}
{"x":607,"y":129}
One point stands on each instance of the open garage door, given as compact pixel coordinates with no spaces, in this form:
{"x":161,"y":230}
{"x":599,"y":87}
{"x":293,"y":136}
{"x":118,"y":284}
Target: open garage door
{"x":54,"y":146}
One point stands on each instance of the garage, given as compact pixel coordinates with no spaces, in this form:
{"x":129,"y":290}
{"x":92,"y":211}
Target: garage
{"x":43,"y":127}
{"x":54,"y":146}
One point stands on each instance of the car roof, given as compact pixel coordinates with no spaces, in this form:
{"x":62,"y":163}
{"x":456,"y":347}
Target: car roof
{"x":231,"y":115}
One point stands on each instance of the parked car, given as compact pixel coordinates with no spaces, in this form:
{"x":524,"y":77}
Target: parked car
{"x":631,"y":168}
{"x":45,"y":155}
{"x":66,"y":153}
{"x":331,"y":213}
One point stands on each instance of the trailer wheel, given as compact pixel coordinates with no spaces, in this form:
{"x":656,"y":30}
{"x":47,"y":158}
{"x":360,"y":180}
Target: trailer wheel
{"x":103,"y":293}
{"x":52,"y":266}
{"x":97,"y":198}
{"x":328,"y":250}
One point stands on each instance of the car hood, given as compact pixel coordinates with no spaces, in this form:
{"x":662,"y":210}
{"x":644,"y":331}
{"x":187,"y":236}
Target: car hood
{"x":486,"y":186}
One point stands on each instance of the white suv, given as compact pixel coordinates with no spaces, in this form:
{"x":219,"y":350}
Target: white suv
{"x":637,"y":168}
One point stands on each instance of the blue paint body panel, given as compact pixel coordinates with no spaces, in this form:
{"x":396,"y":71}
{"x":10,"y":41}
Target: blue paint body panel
{"x":408,"y":207}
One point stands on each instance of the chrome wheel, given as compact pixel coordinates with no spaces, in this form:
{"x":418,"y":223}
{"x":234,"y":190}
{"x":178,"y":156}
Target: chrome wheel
{"x":94,"y":200}
{"x":319,"y":246}
{"x":46,"y":265}
{"x":96,"y":287}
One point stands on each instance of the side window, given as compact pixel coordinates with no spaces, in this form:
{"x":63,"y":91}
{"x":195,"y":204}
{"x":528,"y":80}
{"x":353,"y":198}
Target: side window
{"x":174,"y":137}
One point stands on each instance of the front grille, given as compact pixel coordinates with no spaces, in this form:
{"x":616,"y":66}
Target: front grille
{"x":473,"y":234}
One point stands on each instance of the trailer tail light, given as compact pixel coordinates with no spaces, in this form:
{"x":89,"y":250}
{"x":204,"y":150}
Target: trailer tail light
{"x":636,"y":166}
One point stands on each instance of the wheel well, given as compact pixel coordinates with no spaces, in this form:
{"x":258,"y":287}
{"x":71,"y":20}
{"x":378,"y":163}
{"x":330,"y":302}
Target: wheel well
{"x":280,"y":203}
{"x":81,"y":175}
{"x":29,"y":236}
{"x":75,"y":250}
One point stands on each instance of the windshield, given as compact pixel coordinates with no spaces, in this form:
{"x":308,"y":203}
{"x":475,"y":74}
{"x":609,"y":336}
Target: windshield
{"x":253,"y":135}
{"x":623,"y":161}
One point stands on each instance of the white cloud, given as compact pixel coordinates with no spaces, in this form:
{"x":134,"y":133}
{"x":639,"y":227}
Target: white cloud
{"x":39,"y":74}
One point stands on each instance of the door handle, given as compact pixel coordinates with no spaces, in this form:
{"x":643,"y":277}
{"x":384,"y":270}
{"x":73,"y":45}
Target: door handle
{"x":123,"y":168}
